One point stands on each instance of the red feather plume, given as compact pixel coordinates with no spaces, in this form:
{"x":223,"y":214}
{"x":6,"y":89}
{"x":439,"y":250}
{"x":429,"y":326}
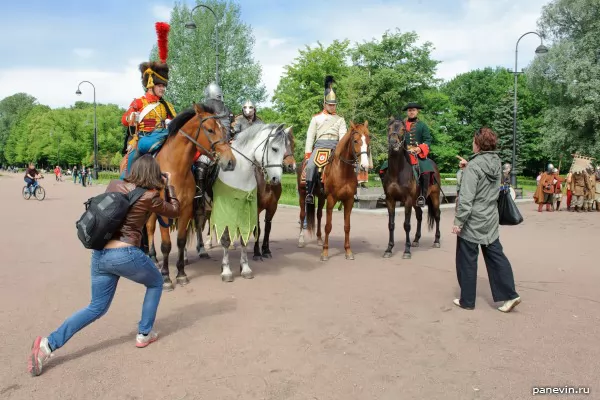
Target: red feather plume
{"x":162,"y":30}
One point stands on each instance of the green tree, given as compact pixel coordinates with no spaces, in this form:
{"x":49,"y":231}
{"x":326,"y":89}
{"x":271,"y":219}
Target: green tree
{"x":191,"y":56}
{"x":569,"y":77}
{"x":12,"y":109}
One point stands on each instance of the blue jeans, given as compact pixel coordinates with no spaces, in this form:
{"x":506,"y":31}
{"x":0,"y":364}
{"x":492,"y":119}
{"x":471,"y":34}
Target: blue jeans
{"x":147,"y":144}
{"x":108,"y":266}
{"x":29,"y":182}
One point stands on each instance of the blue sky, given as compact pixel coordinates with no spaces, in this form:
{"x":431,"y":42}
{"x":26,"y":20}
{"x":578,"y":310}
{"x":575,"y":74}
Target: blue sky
{"x":54,"y":45}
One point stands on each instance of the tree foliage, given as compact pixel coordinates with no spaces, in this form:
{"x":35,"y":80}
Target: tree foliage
{"x":191,"y":56}
{"x":12,"y":109}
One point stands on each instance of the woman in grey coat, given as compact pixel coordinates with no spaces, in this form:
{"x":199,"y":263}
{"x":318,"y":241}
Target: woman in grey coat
{"x":476,"y":224}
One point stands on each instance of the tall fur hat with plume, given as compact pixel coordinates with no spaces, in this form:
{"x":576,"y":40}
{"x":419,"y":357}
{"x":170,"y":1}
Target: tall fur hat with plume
{"x":157,"y":72}
{"x":330,"y":96}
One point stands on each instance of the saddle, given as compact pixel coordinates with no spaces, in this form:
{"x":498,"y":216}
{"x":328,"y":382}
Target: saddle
{"x":322,"y":159}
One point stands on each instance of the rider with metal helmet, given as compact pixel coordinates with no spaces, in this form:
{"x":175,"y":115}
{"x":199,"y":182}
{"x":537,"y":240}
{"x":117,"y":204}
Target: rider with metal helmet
{"x":246,"y":119}
{"x":213,"y":97}
{"x":545,"y":190}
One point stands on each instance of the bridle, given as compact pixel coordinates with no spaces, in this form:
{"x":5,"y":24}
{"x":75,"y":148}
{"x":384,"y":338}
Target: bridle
{"x":263,"y":166}
{"x":212,"y":153}
{"x":396,"y":132}
{"x":355,"y":155}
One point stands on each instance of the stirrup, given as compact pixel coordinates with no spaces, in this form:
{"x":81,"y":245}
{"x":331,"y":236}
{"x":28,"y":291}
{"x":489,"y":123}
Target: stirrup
{"x":310,"y":199}
{"x":421,"y":201}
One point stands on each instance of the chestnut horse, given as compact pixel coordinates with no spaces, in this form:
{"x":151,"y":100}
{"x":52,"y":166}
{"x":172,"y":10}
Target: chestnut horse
{"x":197,"y":128}
{"x":268,"y":200}
{"x":399,"y":184}
{"x":340,"y":185}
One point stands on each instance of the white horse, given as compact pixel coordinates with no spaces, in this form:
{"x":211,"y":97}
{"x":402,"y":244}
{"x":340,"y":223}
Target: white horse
{"x":234,"y":207}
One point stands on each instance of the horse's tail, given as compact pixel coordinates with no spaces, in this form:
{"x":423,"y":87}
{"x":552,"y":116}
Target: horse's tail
{"x":310,"y":216}
{"x":430,"y":213}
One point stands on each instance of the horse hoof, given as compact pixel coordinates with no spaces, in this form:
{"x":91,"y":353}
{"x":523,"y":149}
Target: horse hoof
{"x":257,"y":258}
{"x":182,"y":280}
{"x":436,"y":245}
{"x":247,"y":275}
{"x":301,"y":245}
{"x":168,"y":285}
{"x":204,"y":256}
{"x":227,"y":278}
{"x":267,"y":255}
{"x":319,"y":242}
{"x":387,"y":254}
{"x":406,"y":256}
{"x":350,"y":256}
{"x":324,"y":258}
{"x":415,"y":244}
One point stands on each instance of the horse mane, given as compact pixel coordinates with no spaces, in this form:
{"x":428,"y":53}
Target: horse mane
{"x":344,"y":141}
{"x":248,"y":134}
{"x":183,"y":117}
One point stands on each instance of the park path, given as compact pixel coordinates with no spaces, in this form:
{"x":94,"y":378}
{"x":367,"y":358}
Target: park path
{"x":303,"y":329}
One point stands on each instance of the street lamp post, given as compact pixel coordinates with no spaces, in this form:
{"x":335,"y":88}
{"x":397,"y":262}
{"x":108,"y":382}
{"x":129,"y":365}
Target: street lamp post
{"x":78,"y":92}
{"x":192,"y":25}
{"x":541,"y":49}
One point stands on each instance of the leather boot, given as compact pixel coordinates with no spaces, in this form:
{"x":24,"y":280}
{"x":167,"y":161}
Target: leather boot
{"x":558,"y":205}
{"x":424,"y":183}
{"x":540,"y":206}
{"x":200,"y":175}
{"x":310,"y":185}
{"x":549,"y":207}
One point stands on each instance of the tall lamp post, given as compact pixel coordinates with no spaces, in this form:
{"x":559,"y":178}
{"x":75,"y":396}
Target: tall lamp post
{"x":541,"y":49}
{"x":78,"y":92}
{"x":192,"y":25}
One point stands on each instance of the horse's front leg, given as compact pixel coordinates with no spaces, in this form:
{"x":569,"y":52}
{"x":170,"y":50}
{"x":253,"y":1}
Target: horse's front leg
{"x":348,"y":205}
{"x":269,"y":214}
{"x":257,"y":255}
{"x":182,"y":229}
{"x":391,"y":206}
{"x":165,"y":248}
{"x":407,"y":215}
{"x":245,"y":270}
{"x":151,"y":228}
{"x":419,"y":215}
{"x":199,"y":221}
{"x":302,"y":198}
{"x":226,"y":274}
{"x":435,"y":203}
{"x":330,"y":205}
{"x":319,"y":217}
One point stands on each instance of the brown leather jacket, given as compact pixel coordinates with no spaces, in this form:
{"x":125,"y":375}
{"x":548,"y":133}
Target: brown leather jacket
{"x":150,"y":202}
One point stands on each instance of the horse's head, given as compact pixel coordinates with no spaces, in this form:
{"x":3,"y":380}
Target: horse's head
{"x":396,"y":131}
{"x":289,"y":162}
{"x":361,"y":139}
{"x":271,"y":150}
{"x":211,"y":136}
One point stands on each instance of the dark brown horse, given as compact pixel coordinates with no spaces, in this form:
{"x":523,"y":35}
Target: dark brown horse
{"x":268,"y":199}
{"x":340,"y":185}
{"x":399,"y":184}
{"x":197,"y":128}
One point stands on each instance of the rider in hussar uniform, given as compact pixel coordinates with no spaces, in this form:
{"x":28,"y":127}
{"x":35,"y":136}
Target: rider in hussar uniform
{"x":324,"y":132}
{"x":246,"y":119}
{"x":213,"y":96}
{"x":150,"y":114}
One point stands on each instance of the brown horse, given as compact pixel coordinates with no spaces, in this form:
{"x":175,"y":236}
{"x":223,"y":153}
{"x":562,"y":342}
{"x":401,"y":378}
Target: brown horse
{"x":340,"y":185}
{"x":399,"y":184}
{"x":197,"y":128}
{"x":268,"y":200}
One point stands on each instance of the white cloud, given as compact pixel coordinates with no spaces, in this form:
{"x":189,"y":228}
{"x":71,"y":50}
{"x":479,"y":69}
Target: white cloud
{"x":56,"y":87}
{"x":161,"y":12}
{"x":84,"y":53}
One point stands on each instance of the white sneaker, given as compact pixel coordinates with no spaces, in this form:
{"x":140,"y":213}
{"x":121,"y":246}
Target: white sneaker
{"x":40,"y":354}
{"x":143,"y":341}
{"x":509,"y":305}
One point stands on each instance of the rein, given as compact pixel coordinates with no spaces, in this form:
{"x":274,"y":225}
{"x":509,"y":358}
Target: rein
{"x":262,"y":167}
{"x":355,"y":155}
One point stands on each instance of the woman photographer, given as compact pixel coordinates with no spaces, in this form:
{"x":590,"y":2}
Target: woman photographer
{"x":121,"y":257}
{"x":476,"y":224}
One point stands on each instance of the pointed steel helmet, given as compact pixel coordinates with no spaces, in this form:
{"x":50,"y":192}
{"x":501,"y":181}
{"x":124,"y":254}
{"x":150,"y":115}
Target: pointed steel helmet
{"x":550,"y":168}
{"x":213,"y":92}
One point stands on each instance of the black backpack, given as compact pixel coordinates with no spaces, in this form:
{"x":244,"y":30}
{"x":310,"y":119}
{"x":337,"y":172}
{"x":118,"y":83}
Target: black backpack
{"x":103,"y":216}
